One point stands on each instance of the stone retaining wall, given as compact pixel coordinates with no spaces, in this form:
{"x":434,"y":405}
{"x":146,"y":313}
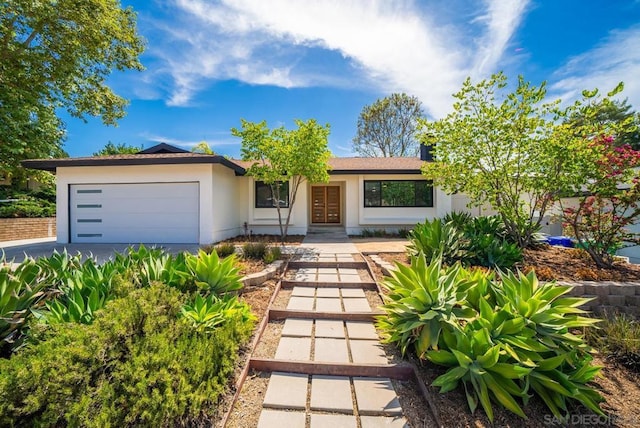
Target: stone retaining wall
{"x":608,"y":296}
{"x":27,"y":228}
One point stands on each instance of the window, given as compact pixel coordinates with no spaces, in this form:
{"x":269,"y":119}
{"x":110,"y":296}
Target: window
{"x":398,"y":193}
{"x":265,"y":199}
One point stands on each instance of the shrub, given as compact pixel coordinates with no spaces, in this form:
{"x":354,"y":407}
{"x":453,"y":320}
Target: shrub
{"x":139,"y":363}
{"x":403,"y":233}
{"x":225,"y":249}
{"x":273,"y":254}
{"x":27,"y":208}
{"x":500,"y":339}
{"x":254,"y":250}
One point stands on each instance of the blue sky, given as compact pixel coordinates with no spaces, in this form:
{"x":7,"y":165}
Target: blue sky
{"x":210,"y":63}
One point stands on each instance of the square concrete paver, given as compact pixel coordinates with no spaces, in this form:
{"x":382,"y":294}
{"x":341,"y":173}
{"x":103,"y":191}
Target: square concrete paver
{"x":348,"y":271}
{"x":383,"y":422}
{"x":329,"y":328}
{"x":328,"y":292}
{"x":300,"y":303}
{"x":360,"y":330}
{"x":376,"y":396}
{"x":303,"y":291}
{"x":333,"y":421}
{"x":367,"y":351}
{"x":307,"y":276}
{"x":286,"y":391}
{"x":350,"y":278}
{"x":331,"y":350}
{"x":328,"y":304}
{"x":357,"y":304}
{"x":325,"y":270}
{"x":344,"y":257}
{"x":352,"y":292}
{"x":297,"y":327}
{"x":331,"y":393}
{"x":294,"y":348}
{"x":279,"y":419}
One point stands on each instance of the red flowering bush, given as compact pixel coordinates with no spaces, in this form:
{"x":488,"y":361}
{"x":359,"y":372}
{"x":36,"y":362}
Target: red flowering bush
{"x":610,"y":202}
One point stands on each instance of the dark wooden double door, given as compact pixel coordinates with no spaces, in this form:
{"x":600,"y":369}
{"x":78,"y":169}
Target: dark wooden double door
{"x":325,"y":205}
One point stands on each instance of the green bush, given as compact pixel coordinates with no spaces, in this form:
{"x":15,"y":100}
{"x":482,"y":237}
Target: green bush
{"x":479,"y":241}
{"x":272,"y":254}
{"x":254,"y":250}
{"x":500,"y":339}
{"x":225,"y":249}
{"x":138,"y":364}
{"x":27,"y":208}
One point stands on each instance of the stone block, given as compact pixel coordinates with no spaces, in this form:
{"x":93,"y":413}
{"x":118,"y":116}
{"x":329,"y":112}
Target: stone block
{"x":596,"y":288}
{"x":614,"y":300}
{"x":622,"y":290}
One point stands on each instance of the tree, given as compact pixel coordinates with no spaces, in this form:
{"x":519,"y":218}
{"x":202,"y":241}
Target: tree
{"x":603,"y":180}
{"x":120,"y":149}
{"x":58,"y":55}
{"x":606,"y":112}
{"x":203,"y":147}
{"x":495,"y":147}
{"x":282,"y":155}
{"x":388,"y":127}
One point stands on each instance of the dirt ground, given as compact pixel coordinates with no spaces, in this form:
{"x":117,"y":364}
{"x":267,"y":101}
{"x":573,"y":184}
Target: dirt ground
{"x":557,"y":263}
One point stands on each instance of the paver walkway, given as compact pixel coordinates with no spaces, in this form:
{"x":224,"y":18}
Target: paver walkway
{"x":326,"y":291}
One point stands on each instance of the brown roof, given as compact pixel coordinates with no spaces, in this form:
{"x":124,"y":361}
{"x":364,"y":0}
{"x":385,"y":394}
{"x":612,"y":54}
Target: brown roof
{"x":359,"y":165}
{"x":350,"y":165}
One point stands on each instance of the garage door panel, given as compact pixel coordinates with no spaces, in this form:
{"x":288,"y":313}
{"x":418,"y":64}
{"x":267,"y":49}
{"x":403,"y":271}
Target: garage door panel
{"x":137,"y":212}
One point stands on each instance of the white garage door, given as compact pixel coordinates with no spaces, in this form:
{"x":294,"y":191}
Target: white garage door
{"x":134,"y":213}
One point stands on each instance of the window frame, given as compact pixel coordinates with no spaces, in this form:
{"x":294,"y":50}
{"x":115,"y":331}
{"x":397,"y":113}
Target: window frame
{"x":428,"y":183}
{"x":258,"y":183}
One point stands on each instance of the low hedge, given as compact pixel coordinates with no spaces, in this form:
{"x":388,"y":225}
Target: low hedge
{"x":138,"y":364}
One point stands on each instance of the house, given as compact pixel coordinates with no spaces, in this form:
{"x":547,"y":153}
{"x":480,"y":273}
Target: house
{"x":168,"y":195}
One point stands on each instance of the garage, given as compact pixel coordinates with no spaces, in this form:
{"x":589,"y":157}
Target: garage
{"x":134,"y":213}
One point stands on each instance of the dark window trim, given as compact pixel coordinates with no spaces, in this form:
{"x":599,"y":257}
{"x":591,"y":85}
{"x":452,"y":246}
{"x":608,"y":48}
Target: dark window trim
{"x":364,"y":199}
{"x":255,"y":195}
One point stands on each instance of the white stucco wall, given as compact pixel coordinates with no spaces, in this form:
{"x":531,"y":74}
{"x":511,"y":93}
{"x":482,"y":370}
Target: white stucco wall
{"x":201,"y":173}
{"x":224,"y":199}
{"x":265,"y":220}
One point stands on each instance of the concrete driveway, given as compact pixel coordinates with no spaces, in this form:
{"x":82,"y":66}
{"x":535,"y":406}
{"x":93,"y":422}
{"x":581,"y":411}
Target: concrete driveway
{"x":18,"y":250}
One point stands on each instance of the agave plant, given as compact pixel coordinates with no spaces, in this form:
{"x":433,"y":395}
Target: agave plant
{"x":205,"y":314}
{"x":166,"y":268}
{"x":421,"y":300}
{"x":483,"y":369}
{"x":85,"y":291}
{"x":20,"y":291}
{"x":436,"y":239}
{"x":212,"y":274}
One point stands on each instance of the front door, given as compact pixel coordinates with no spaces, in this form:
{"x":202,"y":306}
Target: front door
{"x":325,"y":204}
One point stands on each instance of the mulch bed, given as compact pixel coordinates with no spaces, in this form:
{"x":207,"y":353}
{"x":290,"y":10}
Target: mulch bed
{"x":562,"y":264}
{"x":270,"y":239}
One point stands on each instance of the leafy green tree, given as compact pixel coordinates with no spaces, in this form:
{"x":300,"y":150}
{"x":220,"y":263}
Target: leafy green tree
{"x":495,"y":146}
{"x":58,"y":55}
{"x":281,"y":155}
{"x":203,"y":147}
{"x":120,"y":149}
{"x":388,"y":127}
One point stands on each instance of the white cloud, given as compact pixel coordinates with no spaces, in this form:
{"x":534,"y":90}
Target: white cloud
{"x":385,"y":46}
{"x":615,"y":59}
